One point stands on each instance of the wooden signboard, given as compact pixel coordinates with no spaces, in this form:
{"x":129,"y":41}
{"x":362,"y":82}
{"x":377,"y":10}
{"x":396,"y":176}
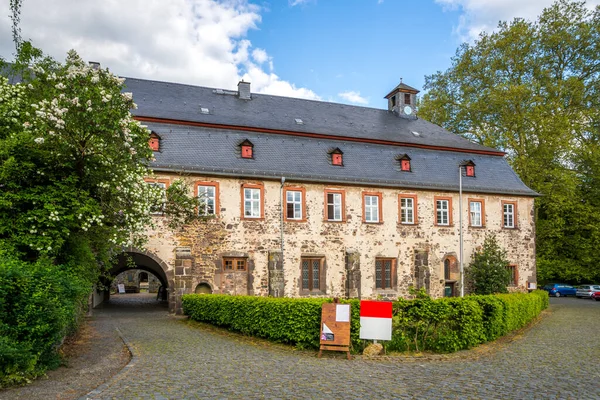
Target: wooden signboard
{"x":335,"y":328}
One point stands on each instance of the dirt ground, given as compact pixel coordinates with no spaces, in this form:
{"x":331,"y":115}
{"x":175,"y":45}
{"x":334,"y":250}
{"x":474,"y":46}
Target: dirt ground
{"x":91,"y":357}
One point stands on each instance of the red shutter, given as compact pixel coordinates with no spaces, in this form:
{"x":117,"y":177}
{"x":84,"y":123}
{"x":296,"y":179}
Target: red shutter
{"x":405,"y":165}
{"x":336,"y":159}
{"x":154,"y":144}
{"x":470,"y":170}
{"x":246,"y":151}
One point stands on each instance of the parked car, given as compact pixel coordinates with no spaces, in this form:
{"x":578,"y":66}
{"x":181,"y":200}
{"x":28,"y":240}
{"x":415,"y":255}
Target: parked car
{"x":560,"y":289}
{"x":596,"y":296}
{"x":586,"y":290}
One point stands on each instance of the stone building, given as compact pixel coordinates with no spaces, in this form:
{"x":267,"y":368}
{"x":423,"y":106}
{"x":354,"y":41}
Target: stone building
{"x":310,"y":198}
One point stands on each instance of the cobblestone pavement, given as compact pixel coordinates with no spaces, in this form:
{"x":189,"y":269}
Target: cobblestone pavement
{"x":555,"y":359}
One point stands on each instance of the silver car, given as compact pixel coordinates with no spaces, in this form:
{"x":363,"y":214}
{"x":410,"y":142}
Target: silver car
{"x":586,"y":291}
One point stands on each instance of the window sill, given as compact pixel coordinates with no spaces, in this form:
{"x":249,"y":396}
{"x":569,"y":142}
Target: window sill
{"x":477,"y":227}
{"x":252,"y":219}
{"x":407,"y":224}
{"x":294,"y":220}
{"x":334,"y":221}
{"x":373,"y":223}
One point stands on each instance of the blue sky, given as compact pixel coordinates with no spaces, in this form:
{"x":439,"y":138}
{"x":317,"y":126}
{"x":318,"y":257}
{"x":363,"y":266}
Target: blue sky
{"x":350,"y":51}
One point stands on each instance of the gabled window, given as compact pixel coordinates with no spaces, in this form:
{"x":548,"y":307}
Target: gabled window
{"x":336,"y":157}
{"x":294,"y":203}
{"x":252,"y":201}
{"x":404,"y":161}
{"x":509,"y":214}
{"x":335,"y":205}
{"x":372,"y":210}
{"x":443,"y":211}
{"x":208,"y":195}
{"x":408,"y":208}
{"x":154,"y":141}
{"x":247,"y":149}
{"x":476,"y":213}
{"x":385,"y":271}
{"x":469,"y":168}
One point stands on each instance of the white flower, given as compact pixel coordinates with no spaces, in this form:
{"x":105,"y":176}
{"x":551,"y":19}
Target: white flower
{"x":39,"y":140}
{"x":60,"y":86}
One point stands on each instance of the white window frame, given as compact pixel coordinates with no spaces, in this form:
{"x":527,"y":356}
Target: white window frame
{"x":252,"y":198}
{"x":407,"y":212}
{"x":205,"y":199}
{"x":508,"y":215}
{"x":476,"y":215}
{"x":371,"y":208}
{"x":443,"y":213}
{"x":337,"y":206}
{"x":296,"y":201}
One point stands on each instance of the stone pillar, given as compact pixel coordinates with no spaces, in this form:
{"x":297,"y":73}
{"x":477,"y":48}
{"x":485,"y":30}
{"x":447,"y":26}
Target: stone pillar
{"x":183,"y":278}
{"x":276,"y":279}
{"x":422,"y":271}
{"x":353,"y":274}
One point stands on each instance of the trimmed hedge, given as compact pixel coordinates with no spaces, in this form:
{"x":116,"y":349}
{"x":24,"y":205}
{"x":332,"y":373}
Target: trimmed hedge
{"x":442,"y":325}
{"x":39,"y":305}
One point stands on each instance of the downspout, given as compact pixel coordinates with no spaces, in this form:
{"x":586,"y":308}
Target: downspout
{"x":460,"y":228}
{"x":281,"y":228}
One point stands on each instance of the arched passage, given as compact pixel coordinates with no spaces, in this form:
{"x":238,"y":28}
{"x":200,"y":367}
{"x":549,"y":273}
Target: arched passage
{"x":145,"y":261}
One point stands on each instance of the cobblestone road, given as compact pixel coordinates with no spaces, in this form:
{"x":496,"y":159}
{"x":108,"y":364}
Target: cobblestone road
{"x":555,"y":359}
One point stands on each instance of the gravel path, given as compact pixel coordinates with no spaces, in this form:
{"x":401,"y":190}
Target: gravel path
{"x":555,"y":359}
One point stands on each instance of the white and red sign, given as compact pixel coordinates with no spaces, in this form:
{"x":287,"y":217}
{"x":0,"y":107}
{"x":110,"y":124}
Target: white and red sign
{"x":376,"y":320}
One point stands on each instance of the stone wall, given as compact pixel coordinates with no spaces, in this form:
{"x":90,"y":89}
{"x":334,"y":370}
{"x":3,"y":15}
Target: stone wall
{"x":349,"y":248}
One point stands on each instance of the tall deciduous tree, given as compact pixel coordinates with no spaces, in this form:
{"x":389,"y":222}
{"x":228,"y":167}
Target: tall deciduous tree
{"x":532,"y":89}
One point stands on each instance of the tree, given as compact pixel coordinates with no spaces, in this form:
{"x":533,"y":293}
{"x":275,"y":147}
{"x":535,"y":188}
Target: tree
{"x":532,"y":89}
{"x":488,"y":272}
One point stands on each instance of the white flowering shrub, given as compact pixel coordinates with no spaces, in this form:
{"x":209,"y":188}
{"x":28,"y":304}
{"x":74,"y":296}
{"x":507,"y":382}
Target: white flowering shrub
{"x":72,"y":162}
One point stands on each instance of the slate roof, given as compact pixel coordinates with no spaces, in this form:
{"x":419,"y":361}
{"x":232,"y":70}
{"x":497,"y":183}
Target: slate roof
{"x":191,"y":146}
{"x":216,"y":152}
{"x":184,"y":102}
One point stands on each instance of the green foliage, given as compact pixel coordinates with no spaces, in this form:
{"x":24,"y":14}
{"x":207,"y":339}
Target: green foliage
{"x":39,"y":306}
{"x":532,"y":90}
{"x":444,"y":325}
{"x":488,"y":271}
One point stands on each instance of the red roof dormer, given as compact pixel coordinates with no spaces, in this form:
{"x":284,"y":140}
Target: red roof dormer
{"x":404,"y":161}
{"x":337,"y":157}
{"x":247,"y":149}
{"x":154,"y":141}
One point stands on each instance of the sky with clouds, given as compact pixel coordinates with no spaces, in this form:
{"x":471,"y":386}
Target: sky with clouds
{"x":349,"y":51}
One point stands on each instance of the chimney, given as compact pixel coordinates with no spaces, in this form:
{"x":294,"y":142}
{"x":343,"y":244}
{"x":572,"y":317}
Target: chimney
{"x":94,"y":64}
{"x":402,"y":100}
{"x":244,"y":90}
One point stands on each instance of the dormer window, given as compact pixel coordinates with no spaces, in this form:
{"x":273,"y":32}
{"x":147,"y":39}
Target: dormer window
{"x":154,"y":141}
{"x":404,"y":161}
{"x":336,"y":157}
{"x":247,"y":149}
{"x":469,"y":168}
{"x":407,"y":98}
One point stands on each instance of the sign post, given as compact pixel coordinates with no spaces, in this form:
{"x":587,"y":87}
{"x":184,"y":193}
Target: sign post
{"x":375,"y":320}
{"x":335,"y":328}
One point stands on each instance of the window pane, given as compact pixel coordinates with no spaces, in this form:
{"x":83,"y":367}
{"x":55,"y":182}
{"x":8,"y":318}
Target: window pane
{"x":388,"y":273}
{"x":315,"y":274}
{"x":290,"y":210}
{"x":305,"y":269}
{"x":378,"y":274}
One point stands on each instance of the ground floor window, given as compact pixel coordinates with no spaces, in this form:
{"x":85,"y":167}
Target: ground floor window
{"x":234,"y":264}
{"x":385,"y":268}
{"x":514,"y":275}
{"x":312,"y":268}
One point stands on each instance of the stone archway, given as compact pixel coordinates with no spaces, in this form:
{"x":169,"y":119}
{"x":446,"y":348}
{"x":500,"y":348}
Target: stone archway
{"x":149,"y":262}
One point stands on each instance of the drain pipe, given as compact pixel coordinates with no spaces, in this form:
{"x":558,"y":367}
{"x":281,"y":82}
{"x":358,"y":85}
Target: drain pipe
{"x":282,"y":211}
{"x":460,"y":229}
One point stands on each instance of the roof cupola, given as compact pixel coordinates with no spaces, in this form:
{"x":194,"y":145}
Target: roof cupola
{"x":402,"y":100}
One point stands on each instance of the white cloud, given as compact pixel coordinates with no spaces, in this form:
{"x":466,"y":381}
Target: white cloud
{"x":201,"y":42}
{"x":483,"y":15}
{"x":294,"y":3}
{"x":353,"y":97}
{"x":259,"y":55}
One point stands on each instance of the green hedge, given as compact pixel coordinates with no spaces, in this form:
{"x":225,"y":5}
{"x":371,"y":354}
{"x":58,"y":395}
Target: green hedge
{"x":442,"y":325}
{"x":39,"y":305}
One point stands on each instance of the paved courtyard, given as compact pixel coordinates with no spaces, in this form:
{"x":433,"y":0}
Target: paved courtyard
{"x":555,"y":359}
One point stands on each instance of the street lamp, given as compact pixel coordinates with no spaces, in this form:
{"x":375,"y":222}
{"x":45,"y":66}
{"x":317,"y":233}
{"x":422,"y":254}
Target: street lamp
{"x":460,"y":229}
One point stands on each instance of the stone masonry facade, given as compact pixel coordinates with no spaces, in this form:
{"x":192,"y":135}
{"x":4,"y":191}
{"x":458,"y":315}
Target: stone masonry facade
{"x":423,"y":255}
